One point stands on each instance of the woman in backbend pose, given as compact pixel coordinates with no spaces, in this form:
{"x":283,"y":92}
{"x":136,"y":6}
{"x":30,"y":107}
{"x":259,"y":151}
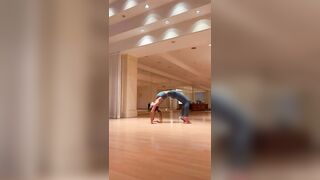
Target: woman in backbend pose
{"x":175,"y":95}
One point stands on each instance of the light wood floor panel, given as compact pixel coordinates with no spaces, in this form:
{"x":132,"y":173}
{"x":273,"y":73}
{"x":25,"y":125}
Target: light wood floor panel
{"x":168,"y":151}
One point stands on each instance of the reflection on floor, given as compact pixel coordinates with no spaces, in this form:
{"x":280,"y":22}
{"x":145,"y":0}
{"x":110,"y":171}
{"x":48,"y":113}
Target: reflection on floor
{"x":167,"y":151}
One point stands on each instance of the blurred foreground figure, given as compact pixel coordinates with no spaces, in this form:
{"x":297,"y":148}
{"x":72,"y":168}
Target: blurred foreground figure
{"x":53,"y":93}
{"x":239,"y":140}
{"x":240,"y":129}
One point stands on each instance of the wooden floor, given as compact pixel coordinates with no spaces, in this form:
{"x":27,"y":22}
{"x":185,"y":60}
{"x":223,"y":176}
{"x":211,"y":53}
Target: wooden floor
{"x":167,"y":151}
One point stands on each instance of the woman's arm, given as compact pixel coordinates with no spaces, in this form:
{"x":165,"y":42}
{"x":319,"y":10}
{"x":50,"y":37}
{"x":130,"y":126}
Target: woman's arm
{"x":154,"y":107}
{"x":152,"y":114}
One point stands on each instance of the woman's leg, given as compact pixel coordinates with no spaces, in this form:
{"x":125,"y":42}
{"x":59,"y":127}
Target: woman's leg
{"x":182,"y":111}
{"x":185,"y":112}
{"x":186,"y":107}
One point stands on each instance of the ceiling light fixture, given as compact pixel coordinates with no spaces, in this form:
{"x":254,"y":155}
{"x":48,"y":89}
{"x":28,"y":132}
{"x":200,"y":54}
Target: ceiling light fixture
{"x":147,"y":6}
{"x":210,"y":45}
{"x":142,"y":30}
{"x":167,"y":22}
{"x":198,"y":11}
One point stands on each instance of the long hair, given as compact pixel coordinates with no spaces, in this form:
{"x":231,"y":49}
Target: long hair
{"x":149,"y":106}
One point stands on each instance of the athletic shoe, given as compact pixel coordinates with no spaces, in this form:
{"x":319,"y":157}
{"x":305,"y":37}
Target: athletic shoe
{"x":185,"y":121}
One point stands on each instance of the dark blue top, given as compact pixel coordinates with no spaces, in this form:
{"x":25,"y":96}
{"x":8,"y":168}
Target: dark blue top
{"x":173,"y":94}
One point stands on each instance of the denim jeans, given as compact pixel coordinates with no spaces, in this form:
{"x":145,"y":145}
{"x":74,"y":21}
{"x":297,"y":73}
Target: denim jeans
{"x":241,"y":130}
{"x":185,"y":109}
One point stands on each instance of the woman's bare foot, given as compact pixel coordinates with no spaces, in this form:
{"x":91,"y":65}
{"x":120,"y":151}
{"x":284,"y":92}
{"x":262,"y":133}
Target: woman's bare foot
{"x":155,"y":121}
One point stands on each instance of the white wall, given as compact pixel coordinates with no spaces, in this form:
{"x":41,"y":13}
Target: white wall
{"x":146,"y":94}
{"x":129,"y":86}
{"x":114,"y":85}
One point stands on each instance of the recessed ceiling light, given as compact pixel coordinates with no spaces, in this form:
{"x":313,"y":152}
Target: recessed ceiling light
{"x":210,"y":45}
{"x":147,"y":6}
{"x":198,"y":11}
{"x":142,"y":30}
{"x":194,"y":48}
{"x":167,"y":22}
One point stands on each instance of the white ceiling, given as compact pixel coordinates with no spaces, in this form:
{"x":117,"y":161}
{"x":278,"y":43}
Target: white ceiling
{"x":119,"y":9}
{"x":170,"y":61}
{"x":188,"y":66}
{"x":181,"y":42}
{"x":151,"y":20}
{"x":185,"y":17}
